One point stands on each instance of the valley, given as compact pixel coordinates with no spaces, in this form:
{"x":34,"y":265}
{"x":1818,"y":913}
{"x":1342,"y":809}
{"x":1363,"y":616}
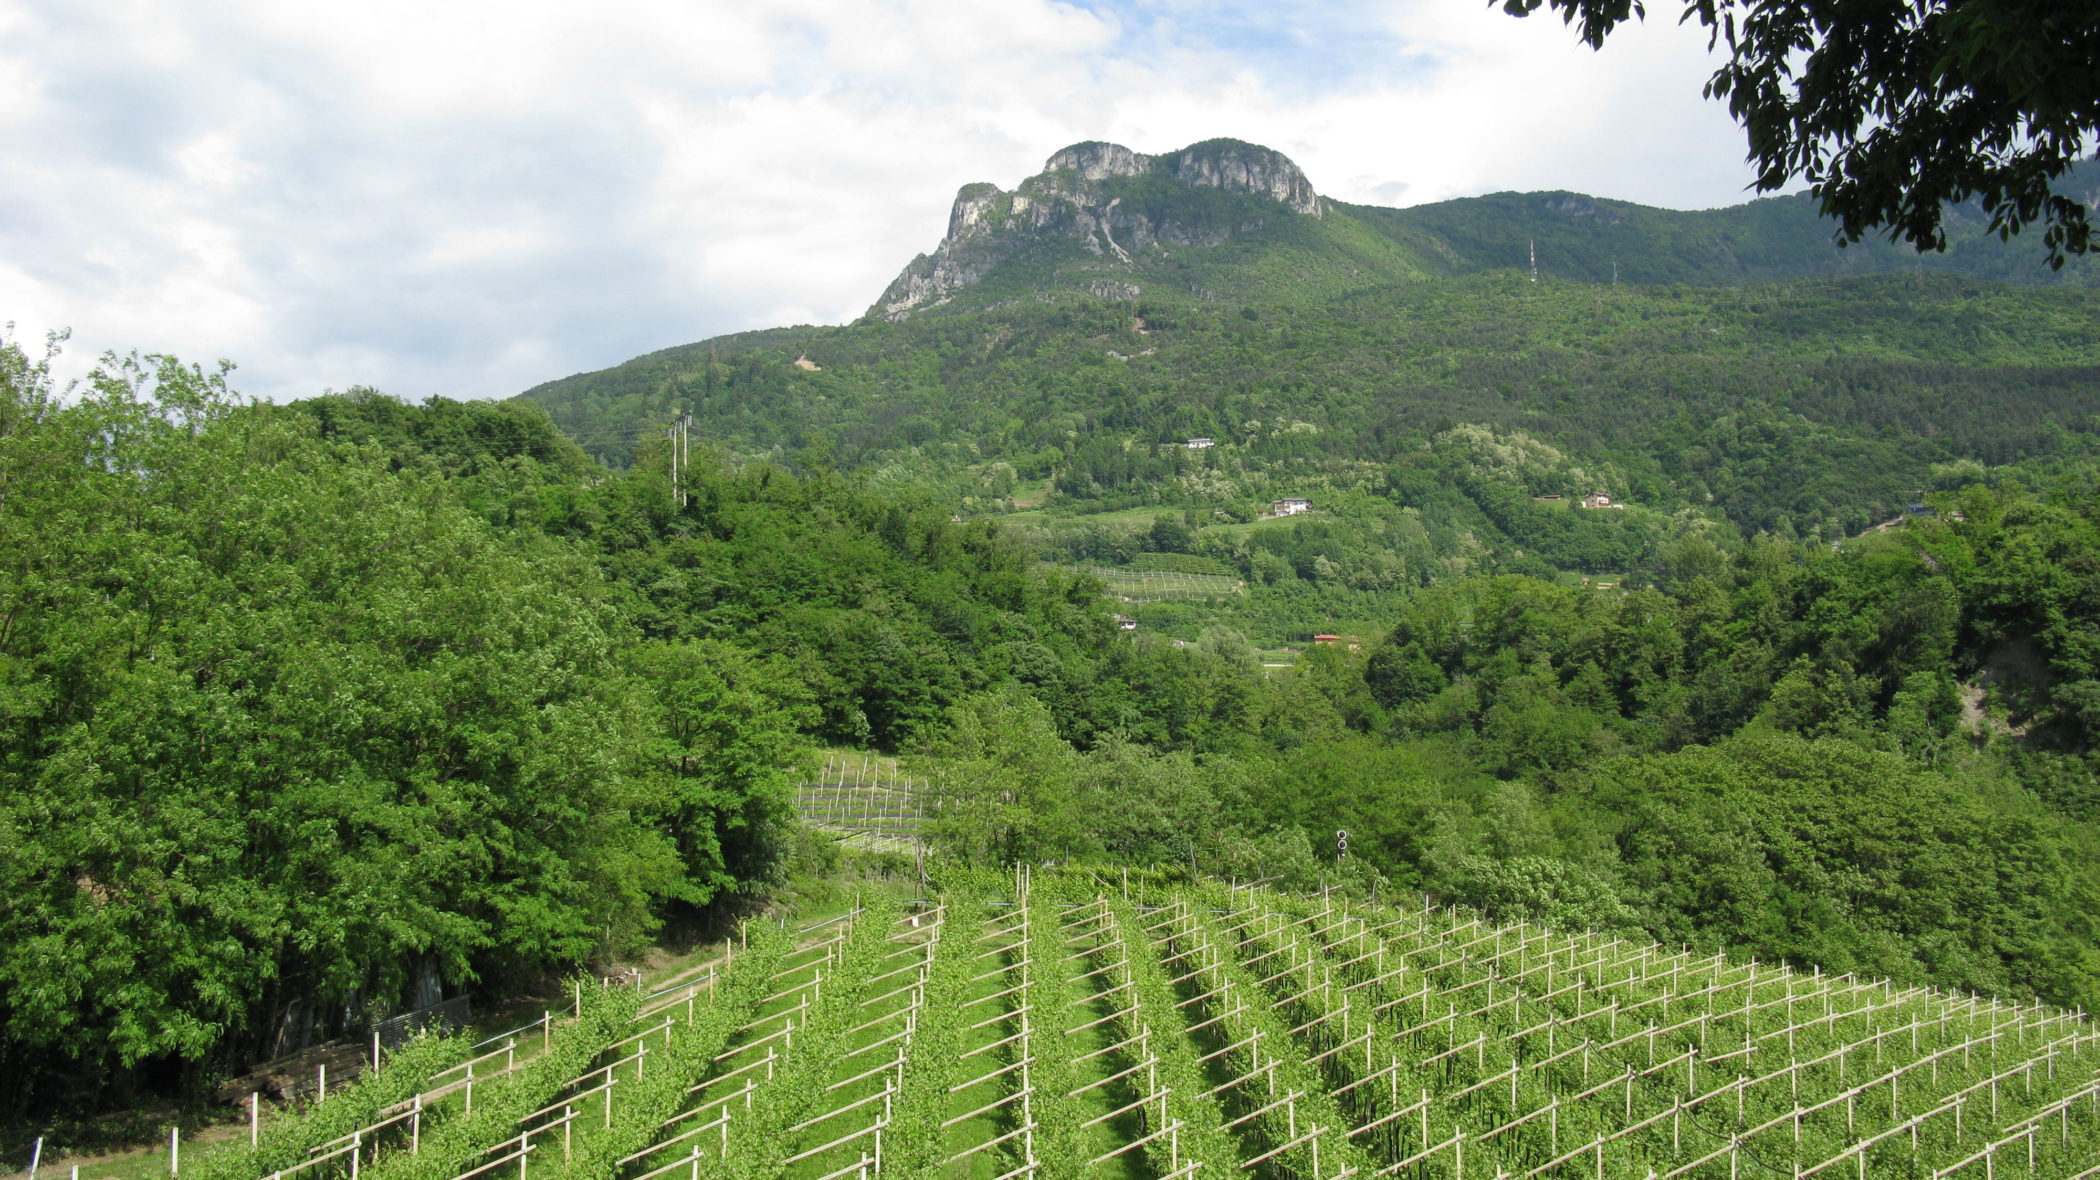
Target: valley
{"x":1708,"y":622}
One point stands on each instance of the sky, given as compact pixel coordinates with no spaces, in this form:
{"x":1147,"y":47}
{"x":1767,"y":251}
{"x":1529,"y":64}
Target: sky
{"x":466,"y":199}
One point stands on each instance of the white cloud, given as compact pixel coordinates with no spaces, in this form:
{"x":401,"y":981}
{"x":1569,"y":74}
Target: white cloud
{"x":471,"y":198}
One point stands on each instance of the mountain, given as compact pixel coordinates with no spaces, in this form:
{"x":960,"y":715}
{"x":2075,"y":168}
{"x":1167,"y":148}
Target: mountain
{"x":1223,"y":219}
{"x":1051,"y":357}
{"x":1219,"y":219}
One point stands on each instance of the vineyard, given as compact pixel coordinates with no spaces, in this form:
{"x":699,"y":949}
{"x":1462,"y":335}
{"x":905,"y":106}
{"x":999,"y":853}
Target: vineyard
{"x":1068,"y":1026}
{"x":865,"y":804}
{"x":1133,"y":585}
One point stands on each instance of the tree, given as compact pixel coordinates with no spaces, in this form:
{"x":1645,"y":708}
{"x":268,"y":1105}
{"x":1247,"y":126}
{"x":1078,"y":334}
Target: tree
{"x":1893,"y":109}
{"x":280,"y":724}
{"x":1008,"y":785}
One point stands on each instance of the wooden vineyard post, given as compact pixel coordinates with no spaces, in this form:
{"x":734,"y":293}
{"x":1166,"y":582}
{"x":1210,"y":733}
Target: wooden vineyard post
{"x":254,"y":1119}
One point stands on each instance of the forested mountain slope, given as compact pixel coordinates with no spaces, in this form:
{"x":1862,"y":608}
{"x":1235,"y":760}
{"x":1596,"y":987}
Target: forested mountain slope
{"x":1081,"y":328}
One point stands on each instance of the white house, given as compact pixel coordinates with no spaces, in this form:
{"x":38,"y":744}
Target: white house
{"x":1290,"y":507}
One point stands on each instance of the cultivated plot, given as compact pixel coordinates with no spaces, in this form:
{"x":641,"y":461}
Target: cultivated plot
{"x":1059,"y":1027}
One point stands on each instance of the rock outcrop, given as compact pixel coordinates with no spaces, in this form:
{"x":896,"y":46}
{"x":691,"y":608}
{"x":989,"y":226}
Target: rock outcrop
{"x":1093,"y":195}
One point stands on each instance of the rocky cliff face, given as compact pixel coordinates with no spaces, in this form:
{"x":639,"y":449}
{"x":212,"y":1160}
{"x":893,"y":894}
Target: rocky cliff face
{"x":1080,"y":198}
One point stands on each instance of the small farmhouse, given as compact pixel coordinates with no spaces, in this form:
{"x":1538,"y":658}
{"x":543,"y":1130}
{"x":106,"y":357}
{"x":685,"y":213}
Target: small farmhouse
{"x":1289,"y":507}
{"x":1125,"y":623}
{"x":1599,"y":500}
{"x":1200,"y":444}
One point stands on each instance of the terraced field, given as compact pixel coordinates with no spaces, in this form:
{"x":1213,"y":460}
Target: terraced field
{"x":1060,"y":1027}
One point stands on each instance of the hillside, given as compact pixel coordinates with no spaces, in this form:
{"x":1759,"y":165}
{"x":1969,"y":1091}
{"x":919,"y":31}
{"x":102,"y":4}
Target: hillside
{"x":1065,"y":339}
{"x":1772,"y":239}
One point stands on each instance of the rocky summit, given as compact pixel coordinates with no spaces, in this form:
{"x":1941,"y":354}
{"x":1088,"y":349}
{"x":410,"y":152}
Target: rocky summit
{"x":1103,"y":207}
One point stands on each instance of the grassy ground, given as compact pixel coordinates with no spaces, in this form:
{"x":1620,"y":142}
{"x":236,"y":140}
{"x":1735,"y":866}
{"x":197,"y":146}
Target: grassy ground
{"x":1140,"y":517}
{"x":140,"y":1163}
{"x":1031,"y":493}
{"x":1267,"y":522}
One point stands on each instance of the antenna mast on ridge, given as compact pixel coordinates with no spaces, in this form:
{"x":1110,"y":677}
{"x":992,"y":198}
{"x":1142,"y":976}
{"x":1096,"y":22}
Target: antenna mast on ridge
{"x":1534,"y":260}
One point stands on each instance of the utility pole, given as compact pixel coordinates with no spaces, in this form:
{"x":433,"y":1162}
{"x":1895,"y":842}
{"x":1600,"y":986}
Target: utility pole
{"x":680,"y":449}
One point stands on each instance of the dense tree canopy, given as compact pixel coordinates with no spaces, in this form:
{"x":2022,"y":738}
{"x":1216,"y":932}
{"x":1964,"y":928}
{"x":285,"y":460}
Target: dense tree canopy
{"x":282,"y":724}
